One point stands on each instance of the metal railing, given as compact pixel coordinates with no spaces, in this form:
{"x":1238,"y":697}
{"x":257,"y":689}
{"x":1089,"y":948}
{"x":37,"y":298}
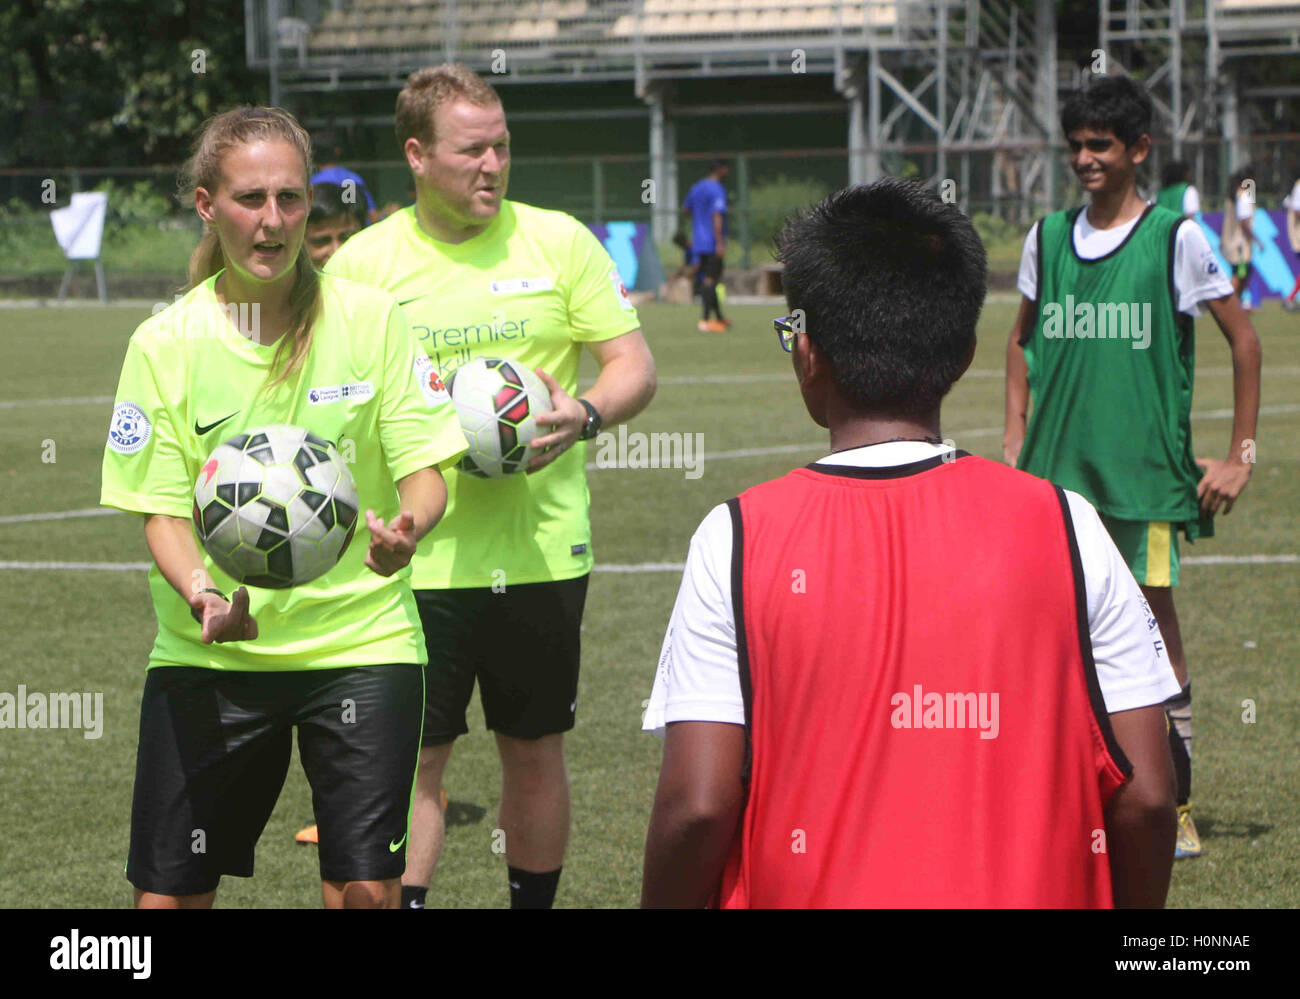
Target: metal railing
{"x":764,"y":187}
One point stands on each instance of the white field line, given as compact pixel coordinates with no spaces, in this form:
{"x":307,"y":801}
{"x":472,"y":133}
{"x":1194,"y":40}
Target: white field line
{"x":957,"y":436}
{"x":751,"y":379}
{"x":27,"y":518}
{"x":748,"y":452}
{"x":638,"y":567}
{"x":1212,"y":371}
{"x":1226,"y":414}
{"x":787,"y":376}
{"x":76,"y":400}
{"x":79,"y":566}
{"x":76,"y":303}
{"x":1240,"y":560}
{"x":623,"y":568}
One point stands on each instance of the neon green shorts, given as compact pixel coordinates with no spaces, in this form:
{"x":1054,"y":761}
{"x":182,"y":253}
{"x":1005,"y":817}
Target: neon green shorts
{"x":1149,"y":548}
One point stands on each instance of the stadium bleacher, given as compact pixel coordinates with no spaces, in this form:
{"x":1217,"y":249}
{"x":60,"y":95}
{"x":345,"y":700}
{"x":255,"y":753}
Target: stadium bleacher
{"x":375,"y":24}
{"x":950,"y":78}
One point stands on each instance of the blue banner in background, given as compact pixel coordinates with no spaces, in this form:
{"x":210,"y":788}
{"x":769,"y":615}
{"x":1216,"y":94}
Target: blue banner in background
{"x":1273,"y":268}
{"x":634,"y":254}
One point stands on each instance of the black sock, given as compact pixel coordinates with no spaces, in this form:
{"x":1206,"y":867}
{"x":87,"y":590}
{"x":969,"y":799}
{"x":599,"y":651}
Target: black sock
{"x":412,"y":897}
{"x":710,"y":292}
{"x":1178,"y":709}
{"x":532,"y":891}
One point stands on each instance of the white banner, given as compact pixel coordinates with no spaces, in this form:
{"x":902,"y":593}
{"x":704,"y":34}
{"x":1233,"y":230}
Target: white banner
{"x":79,"y":228}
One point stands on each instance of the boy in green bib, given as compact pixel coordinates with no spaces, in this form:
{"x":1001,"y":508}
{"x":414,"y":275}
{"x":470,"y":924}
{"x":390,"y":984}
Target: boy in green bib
{"x":1104,"y":345}
{"x":1177,"y":192}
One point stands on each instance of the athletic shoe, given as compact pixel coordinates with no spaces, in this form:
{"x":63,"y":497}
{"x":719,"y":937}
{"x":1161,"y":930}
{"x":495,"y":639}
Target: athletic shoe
{"x":1290,"y":305}
{"x":716,"y":326}
{"x":703,"y":325}
{"x":1188,"y":843}
{"x":312,"y":834}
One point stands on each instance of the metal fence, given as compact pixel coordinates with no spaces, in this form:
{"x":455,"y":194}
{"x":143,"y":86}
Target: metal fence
{"x":314,"y":44}
{"x":149,"y":230}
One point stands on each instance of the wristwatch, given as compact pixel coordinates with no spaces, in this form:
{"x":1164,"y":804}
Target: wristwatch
{"x":593,"y":422}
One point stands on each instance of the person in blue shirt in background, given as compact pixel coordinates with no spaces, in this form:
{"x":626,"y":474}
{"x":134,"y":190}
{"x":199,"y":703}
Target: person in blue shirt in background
{"x":706,"y":203}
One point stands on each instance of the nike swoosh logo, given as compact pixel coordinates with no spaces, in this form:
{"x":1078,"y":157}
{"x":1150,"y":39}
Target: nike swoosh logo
{"x":203,"y":430}
{"x":394,"y":847}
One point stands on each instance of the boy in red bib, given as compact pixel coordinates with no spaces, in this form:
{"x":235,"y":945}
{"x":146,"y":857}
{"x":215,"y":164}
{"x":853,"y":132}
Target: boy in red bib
{"x":895,"y":676}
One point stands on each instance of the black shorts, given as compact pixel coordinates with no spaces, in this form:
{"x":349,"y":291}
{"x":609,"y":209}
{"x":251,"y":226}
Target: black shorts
{"x":710,"y":267}
{"x":214,"y":752}
{"x":521,"y":644}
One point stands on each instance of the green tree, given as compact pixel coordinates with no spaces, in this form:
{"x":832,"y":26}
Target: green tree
{"x":117,"y":82}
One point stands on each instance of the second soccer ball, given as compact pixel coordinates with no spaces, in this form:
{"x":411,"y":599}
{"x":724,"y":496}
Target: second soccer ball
{"x":497,"y":402}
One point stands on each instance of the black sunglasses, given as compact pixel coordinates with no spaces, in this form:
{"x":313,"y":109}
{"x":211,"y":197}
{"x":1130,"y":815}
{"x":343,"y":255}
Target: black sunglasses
{"x":785,"y":332}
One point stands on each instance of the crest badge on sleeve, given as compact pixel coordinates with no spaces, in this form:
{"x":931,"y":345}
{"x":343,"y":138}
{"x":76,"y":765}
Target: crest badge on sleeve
{"x":426,"y":376}
{"x":130,"y":428}
{"x":619,"y":287}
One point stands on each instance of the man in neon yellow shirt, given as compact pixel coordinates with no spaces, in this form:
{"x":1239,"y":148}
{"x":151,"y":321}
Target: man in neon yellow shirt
{"x":501,"y":587}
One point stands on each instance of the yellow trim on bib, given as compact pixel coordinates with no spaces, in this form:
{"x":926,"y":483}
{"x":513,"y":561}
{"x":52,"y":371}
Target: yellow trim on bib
{"x":1158,"y":565}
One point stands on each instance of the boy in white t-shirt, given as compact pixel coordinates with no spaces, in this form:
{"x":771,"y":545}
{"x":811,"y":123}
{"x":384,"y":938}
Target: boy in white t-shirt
{"x":1237,"y":238}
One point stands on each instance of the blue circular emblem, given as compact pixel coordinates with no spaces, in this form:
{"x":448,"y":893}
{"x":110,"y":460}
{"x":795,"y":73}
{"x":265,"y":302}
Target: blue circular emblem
{"x":130,"y":429}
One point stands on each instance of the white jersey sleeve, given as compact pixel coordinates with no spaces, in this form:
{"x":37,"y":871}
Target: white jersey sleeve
{"x":1133,"y":668}
{"x":1245,"y":206}
{"x":1027,"y":279}
{"x":698,"y":677}
{"x":699,"y":674}
{"x":1197,"y":275}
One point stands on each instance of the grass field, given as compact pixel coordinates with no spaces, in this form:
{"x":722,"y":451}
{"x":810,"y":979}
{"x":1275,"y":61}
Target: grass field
{"x":65,"y":800}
